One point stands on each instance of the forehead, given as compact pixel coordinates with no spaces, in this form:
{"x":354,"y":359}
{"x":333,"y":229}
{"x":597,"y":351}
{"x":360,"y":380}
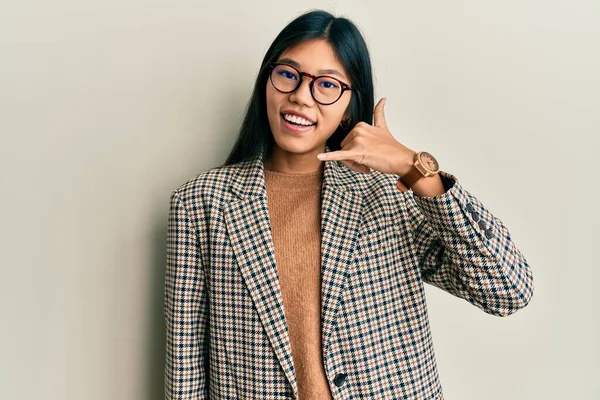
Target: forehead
{"x":316,"y":57}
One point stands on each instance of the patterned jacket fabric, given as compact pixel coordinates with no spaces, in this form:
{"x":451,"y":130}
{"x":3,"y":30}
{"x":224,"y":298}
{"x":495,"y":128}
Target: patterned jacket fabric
{"x":227,"y":336}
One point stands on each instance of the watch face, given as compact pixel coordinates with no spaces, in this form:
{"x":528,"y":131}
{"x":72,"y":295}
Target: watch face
{"x":429,"y":162}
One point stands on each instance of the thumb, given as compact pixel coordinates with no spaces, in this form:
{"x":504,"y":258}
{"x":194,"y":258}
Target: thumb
{"x":379,"y":115}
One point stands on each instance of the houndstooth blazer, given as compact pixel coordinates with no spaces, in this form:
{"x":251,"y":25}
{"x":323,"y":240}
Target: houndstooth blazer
{"x":227,"y":336}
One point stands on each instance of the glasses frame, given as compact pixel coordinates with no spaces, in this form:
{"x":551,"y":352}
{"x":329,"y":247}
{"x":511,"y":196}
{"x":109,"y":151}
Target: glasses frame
{"x":313,"y":78}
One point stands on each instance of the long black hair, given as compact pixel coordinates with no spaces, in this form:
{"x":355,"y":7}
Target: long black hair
{"x":255,"y":137}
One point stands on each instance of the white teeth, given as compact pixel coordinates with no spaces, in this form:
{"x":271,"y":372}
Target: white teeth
{"x":297,"y":120}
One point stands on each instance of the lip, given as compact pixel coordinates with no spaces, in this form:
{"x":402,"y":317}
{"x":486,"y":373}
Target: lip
{"x":299,"y":114}
{"x":296,"y":128}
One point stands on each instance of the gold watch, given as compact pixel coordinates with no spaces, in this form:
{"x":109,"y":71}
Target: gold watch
{"x":424,"y":165}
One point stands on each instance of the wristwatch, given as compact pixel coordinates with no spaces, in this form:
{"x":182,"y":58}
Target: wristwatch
{"x":424,"y":164}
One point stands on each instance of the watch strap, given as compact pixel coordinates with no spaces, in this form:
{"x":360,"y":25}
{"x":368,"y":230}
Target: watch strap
{"x":413,"y":175}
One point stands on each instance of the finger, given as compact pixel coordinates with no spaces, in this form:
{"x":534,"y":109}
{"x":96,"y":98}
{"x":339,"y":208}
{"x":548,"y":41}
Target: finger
{"x":357,"y":167}
{"x":337,"y":155}
{"x":363,"y":168}
{"x":378,"y":114}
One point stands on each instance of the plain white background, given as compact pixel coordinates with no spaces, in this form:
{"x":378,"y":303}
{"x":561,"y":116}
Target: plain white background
{"x":108,"y":106}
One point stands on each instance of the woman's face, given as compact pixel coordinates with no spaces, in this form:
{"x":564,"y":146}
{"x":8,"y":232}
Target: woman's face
{"x":314,"y":57}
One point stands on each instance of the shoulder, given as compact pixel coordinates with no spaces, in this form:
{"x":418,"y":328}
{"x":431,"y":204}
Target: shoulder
{"x":212,"y":184}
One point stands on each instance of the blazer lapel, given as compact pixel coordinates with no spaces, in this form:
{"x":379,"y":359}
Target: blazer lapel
{"x":249,"y":230}
{"x":341,"y":216}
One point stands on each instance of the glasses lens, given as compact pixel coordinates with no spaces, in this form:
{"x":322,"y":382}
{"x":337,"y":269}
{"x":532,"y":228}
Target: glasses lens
{"x":284,"y":78}
{"x":326,"y":90}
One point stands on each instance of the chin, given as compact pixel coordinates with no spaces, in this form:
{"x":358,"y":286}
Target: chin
{"x":295,"y":145}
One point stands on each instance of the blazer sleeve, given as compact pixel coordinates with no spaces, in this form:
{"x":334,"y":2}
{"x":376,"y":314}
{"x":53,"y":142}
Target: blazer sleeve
{"x":185,"y":309}
{"x":468,"y":252}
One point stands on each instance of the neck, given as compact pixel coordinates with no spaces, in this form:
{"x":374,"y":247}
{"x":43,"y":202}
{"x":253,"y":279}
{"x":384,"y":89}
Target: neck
{"x":294,"y":163}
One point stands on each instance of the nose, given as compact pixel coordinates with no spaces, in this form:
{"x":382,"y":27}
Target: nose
{"x":302,"y":94}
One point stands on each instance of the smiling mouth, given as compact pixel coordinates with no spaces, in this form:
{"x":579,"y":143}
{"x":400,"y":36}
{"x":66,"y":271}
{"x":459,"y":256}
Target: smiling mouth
{"x":296,"y":128}
{"x":297,"y":121}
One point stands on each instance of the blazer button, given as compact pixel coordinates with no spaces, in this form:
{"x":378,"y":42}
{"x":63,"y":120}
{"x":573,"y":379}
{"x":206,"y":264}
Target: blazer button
{"x":489,"y":234}
{"x":475,"y":215}
{"x":469,"y":207}
{"x":481,"y":224}
{"x":339,"y":379}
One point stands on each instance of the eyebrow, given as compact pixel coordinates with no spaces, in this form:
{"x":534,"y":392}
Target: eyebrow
{"x":321,"y":71}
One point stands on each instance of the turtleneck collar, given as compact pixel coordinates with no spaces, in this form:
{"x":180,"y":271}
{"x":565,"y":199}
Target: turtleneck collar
{"x":293,"y":181}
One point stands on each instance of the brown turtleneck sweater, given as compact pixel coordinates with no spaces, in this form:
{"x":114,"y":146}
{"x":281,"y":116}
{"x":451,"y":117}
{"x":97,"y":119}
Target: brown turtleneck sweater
{"x":294,"y":202}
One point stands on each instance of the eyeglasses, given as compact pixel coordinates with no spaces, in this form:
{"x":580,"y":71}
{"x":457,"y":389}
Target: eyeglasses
{"x":324,"y":89}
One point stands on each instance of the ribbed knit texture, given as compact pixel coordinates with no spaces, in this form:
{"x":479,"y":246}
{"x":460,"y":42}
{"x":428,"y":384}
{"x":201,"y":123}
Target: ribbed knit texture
{"x":294,"y":202}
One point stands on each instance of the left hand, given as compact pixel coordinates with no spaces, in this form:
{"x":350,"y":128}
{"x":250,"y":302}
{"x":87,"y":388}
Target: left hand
{"x":372,"y":146}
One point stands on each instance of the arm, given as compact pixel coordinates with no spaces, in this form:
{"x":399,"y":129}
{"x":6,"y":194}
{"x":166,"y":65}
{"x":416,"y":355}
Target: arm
{"x":467,"y":251}
{"x":185,"y":309}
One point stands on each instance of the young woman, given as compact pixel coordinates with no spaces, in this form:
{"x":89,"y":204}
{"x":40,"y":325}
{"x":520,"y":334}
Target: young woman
{"x":296,"y":269}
